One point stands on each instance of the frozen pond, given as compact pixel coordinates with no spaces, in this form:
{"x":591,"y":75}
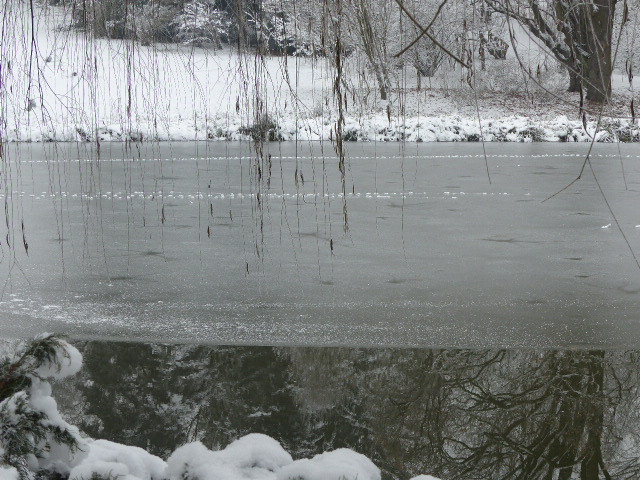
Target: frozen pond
{"x":189,"y":242}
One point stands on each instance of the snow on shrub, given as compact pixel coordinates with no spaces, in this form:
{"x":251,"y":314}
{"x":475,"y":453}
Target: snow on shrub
{"x":106,"y":459}
{"x":341,"y":464}
{"x":202,"y":24}
{"x":254,"y":456}
{"x":8,"y":473}
{"x":368,"y":128}
{"x":33,"y":434}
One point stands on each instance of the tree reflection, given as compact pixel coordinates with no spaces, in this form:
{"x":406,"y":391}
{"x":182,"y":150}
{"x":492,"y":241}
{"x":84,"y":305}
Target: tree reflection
{"x":544,"y":421}
{"x":452,"y":413}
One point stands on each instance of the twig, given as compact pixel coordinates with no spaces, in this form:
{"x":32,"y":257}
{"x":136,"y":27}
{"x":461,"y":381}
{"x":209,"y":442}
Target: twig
{"x":423,"y":33}
{"x":429,"y":36}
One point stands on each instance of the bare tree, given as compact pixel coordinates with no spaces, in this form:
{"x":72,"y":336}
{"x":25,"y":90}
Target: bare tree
{"x":577,"y":33}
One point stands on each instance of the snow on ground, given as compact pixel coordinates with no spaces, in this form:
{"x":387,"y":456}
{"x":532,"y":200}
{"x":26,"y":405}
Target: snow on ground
{"x":120,"y":90}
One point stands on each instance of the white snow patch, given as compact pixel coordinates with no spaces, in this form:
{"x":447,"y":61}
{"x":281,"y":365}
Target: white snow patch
{"x":121,"y":461}
{"x":341,"y":464}
{"x":69,"y":362}
{"x":254,"y":456}
{"x":8,"y":473}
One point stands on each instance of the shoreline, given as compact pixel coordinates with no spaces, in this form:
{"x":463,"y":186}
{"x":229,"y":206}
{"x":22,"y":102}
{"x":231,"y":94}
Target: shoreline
{"x":372,"y":128}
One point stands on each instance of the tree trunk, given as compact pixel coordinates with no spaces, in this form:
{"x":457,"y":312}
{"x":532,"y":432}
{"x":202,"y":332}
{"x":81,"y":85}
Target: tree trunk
{"x":574,"y":82}
{"x":600,"y":66}
{"x":370,"y":43}
{"x":590,"y":467}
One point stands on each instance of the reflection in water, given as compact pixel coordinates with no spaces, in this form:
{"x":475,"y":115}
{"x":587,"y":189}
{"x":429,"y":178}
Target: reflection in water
{"x":468,"y":414}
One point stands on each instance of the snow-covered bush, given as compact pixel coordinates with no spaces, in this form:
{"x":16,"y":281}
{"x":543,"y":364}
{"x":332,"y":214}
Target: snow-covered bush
{"x":33,"y":435}
{"x":507,"y":76}
{"x":201,"y":24}
{"x":427,"y":57}
{"x":260,"y":457}
{"x":156,"y":23}
{"x":264,"y":129}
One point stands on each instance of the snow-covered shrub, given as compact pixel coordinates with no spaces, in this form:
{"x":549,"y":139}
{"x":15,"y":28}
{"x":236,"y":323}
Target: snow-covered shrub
{"x":112,"y":460}
{"x":496,"y":47}
{"x":33,"y":435}
{"x":615,"y":129}
{"x":264,"y":129}
{"x":156,"y":23}
{"x":629,"y":132}
{"x":257,"y":456}
{"x":253,"y":453}
{"x":201,"y":24}
{"x":507,"y":76}
{"x":532,"y":134}
{"x":341,"y":464}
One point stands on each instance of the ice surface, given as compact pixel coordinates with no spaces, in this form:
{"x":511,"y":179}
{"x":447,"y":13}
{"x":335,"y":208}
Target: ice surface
{"x":493,"y":267}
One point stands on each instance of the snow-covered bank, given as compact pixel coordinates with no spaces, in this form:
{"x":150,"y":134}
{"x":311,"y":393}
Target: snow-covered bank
{"x":89,"y":89}
{"x":365,"y":129}
{"x":36,"y":442}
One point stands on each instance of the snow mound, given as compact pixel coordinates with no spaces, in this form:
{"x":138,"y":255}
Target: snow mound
{"x":425,"y":477}
{"x":254,"y":456}
{"x":8,"y":473}
{"x":341,"y":464}
{"x":257,"y":450}
{"x":121,"y":461}
{"x":259,"y":457}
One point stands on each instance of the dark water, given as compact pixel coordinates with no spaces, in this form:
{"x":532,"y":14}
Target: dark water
{"x":466,"y":414}
{"x":204,"y":243}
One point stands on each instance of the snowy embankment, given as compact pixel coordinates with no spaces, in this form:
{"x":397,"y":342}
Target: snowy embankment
{"x":85,"y":89}
{"x":34,"y":438}
{"x":364,"y":129}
